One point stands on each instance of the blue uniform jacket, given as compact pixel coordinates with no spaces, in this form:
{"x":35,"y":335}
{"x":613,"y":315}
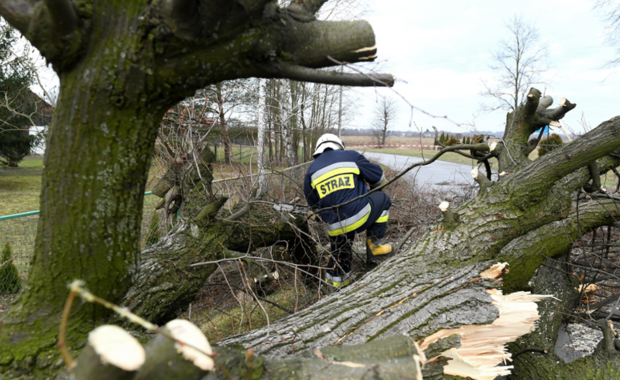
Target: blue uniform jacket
{"x":337,"y":176}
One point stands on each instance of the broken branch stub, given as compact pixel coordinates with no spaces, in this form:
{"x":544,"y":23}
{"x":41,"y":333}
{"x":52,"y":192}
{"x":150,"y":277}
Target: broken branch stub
{"x":167,"y":359}
{"x":449,"y":219}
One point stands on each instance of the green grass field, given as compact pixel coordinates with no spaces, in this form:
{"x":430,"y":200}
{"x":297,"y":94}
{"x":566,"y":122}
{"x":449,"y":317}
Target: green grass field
{"x":20,"y":187}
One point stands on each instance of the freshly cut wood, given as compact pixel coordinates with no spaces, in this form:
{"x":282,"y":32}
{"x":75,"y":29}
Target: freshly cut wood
{"x":194,"y":344}
{"x":111,"y":353}
{"x":167,"y":359}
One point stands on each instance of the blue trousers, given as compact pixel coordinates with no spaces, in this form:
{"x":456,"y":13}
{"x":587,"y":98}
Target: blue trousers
{"x":341,"y":246}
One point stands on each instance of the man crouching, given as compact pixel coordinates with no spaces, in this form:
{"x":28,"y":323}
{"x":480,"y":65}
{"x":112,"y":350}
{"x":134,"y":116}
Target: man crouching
{"x":335,"y":177}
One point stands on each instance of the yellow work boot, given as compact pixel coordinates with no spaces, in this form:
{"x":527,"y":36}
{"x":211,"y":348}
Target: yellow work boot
{"x":380,"y":252}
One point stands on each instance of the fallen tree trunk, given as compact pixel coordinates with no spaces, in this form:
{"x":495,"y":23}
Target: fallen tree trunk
{"x":524,"y":218}
{"x":436,"y":289}
{"x":436,"y":286}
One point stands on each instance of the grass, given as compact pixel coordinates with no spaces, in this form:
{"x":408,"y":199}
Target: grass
{"x":20,"y":187}
{"x":240,"y":319}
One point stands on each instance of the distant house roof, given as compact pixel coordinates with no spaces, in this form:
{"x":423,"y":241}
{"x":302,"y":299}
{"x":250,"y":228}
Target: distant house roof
{"x":44,"y":110}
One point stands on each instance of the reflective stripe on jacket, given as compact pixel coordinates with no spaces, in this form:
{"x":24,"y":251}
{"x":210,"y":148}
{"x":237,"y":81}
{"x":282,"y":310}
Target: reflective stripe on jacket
{"x":337,"y":176}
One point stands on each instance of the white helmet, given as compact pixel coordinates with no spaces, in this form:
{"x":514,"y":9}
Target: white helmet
{"x":327,"y":141}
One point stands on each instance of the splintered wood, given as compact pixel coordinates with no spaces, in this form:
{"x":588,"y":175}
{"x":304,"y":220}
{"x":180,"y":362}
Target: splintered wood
{"x":484,"y":347}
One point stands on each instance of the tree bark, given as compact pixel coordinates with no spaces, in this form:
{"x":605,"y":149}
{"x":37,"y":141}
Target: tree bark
{"x":277,"y":121}
{"x":285,"y":113}
{"x":260,"y":139}
{"x":165,"y":283}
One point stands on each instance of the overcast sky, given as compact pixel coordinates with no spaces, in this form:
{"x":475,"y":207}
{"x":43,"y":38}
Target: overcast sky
{"x":442,"y":50}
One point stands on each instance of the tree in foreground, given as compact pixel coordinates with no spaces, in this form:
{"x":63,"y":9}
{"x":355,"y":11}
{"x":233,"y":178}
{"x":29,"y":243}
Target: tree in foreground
{"x":121,"y":67}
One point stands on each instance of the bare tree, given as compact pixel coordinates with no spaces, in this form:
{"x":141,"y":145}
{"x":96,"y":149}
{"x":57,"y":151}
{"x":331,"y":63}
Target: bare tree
{"x":384,"y":114}
{"x":518,"y":63}
{"x":610,"y":10}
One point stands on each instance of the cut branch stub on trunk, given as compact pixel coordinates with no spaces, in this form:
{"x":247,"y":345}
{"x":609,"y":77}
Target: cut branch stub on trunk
{"x":533,"y":115}
{"x":181,"y":359}
{"x":111,"y":353}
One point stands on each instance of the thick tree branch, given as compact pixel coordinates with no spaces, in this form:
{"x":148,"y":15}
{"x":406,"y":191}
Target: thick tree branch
{"x":553,"y":239}
{"x":306,"y":7}
{"x":544,"y":102}
{"x":531,"y":103}
{"x":183,"y":16}
{"x":558,"y":113}
{"x":542,"y":174}
{"x":63,"y":15}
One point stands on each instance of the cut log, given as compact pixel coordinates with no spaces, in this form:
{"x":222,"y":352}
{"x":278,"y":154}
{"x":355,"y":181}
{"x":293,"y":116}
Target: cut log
{"x":111,"y":353}
{"x":167,"y":359}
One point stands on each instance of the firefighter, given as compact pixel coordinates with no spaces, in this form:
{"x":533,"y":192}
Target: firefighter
{"x":335,"y":177}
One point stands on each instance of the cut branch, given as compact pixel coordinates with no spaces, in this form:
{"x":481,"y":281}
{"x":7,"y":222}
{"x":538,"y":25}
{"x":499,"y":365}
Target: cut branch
{"x":289,"y":71}
{"x":531,"y":103}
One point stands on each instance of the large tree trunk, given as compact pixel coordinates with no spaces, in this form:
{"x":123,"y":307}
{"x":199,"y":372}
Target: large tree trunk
{"x":98,"y":155}
{"x":121,"y":66}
